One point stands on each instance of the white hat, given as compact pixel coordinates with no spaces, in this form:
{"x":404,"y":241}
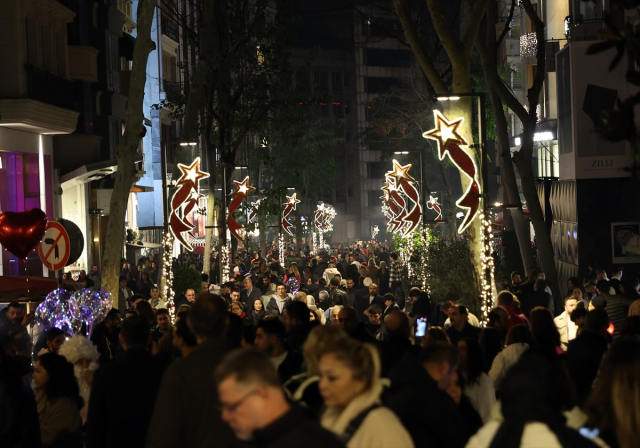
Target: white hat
{"x":367,"y":281}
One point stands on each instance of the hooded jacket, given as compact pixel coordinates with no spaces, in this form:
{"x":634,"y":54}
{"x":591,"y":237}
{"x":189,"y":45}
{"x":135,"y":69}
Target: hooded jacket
{"x":504,"y":360}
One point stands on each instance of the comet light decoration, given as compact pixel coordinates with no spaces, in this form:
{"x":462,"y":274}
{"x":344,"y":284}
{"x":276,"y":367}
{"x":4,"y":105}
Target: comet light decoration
{"x":433,"y":204}
{"x":289,"y":206}
{"x":401,"y":200}
{"x":322,"y":222}
{"x":253,"y":213}
{"x":237,"y":196}
{"x":451,"y":143}
{"x":185,"y":198}
{"x":374,"y":233}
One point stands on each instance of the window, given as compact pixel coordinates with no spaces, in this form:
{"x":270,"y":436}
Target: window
{"x":336,"y":82}
{"x":338,"y":110}
{"x":374,"y":198}
{"x":379,"y":57}
{"x":346,"y":80}
{"x":376,"y":170}
{"x":321,"y":81}
{"x":379,"y":85}
{"x":382,"y":27}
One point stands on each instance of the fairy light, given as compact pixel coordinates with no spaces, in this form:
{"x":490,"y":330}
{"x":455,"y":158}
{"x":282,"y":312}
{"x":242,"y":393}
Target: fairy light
{"x":314,"y":242}
{"x":225,"y":261}
{"x":528,"y":45}
{"x":488,"y":266}
{"x":281,"y":250}
{"x":167,"y":272}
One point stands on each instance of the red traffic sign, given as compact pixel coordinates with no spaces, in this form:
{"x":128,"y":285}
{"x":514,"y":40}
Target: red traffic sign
{"x":54,"y":248}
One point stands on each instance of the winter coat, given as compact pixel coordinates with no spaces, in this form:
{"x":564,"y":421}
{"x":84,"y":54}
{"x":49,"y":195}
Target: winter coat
{"x":534,"y":435}
{"x":329,"y":273}
{"x":504,"y":360}
{"x":272,"y":307}
{"x":380,"y":428}
{"x":482,"y":395}
{"x":562,"y":324}
{"x":60,"y":422}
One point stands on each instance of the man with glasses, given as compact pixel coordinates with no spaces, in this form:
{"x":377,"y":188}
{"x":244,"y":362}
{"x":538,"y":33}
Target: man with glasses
{"x":253,"y":404}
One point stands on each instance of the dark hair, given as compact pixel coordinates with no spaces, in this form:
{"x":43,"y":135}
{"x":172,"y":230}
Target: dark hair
{"x":335,"y":281}
{"x":298,"y":311}
{"x":415,"y":292}
{"x":208,"y":315}
{"x":462,"y":309}
{"x":390,"y":297}
{"x":144,"y":309}
{"x":393,"y":256}
{"x":375,"y":308}
{"x":137,"y":296}
{"x":135,"y":331}
{"x":514,"y":273}
{"x":160,"y":311}
{"x":490,"y":341}
{"x":494,"y":315}
{"x":53,"y":333}
{"x":575,"y":281}
{"x":13,"y":304}
{"x":519,"y":334}
{"x":248,"y":365}
{"x":578,"y":312}
{"x":438,"y":352}
{"x":630,"y":326}
{"x":505,"y":298}
{"x":62,"y":381}
{"x":475,"y":361}
{"x":596,"y":320}
{"x":204,"y":277}
{"x":544,"y":329}
{"x":616,"y":268}
{"x":273,"y":326}
{"x":603,"y":286}
{"x":541,"y":284}
{"x":122,"y":279}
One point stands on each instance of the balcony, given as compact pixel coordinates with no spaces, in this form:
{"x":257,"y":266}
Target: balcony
{"x":83,"y":63}
{"x":50,"y":88}
{"x":169,"y":28}
{"x":172,"y":91}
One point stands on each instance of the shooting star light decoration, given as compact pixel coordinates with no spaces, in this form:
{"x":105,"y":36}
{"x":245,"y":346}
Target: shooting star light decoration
{"x":452,"y":143}
{"x":289,"y":206}
{"x":374,"y":233}
{"x":433,"y":204}
{"x":238,"y":195}
{"x":186,"y":197}
{"x":401,"y":200}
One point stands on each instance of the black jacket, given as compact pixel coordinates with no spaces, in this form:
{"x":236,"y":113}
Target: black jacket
{"x":186,"y":412}
{"x":297,"y":336}
{"x":363,"y":304}
{"x":292,"y":430}
{"x":107,"y":343}
{"x":130,"y":411}
{"x":19,"y":424}
{"x":584,"y":355}
{"x":469,"y":331}
{"x":292,"y":365}
{"x":429,"y":414}
{"x":532,"y":300}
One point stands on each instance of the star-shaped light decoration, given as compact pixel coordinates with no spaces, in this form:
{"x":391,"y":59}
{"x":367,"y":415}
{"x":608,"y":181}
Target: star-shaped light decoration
{"x":192,"y":173}
{"x":243,"y":187}
{"x":400,"y":173}
{"x":445,"y":131}
{"x":291,"y":200}
{"x":433,"y":201}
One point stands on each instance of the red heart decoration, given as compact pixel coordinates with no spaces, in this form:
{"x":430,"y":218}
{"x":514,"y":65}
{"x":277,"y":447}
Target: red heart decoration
{"x":21,"y":232}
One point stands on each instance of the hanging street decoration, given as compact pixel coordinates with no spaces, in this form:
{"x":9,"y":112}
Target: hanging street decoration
{"x":327,"y":218}
{"x":237,"y":196}
{"x":254,"y":210}
{"x":289,"y":206}
{"x":374,"y":233}
{"x":167,"y":273}
{"x":452,"y":143}
{"x":401,"y":200}
{"x":433,"y":204}
{"x":322,"y":223}
{"x":186,"y":197}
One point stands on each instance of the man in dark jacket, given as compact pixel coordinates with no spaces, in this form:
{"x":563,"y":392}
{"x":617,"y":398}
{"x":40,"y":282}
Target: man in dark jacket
{"x":537,"y":297}
{"x":186,"y":412}
{"x":366,"y":299}
{"x":417,"y":396}
{"x":617,"y":307}
{"x":105,"y":337}
{"x":109,"y":406}
{"x":249,"y":294}
{"x":296,"y":321}
{"x":585,"y":352}
{"x":270,"y":336}
{"x":255,"y":407}
{"x":460,"y":327}
{"x":348,"y":321}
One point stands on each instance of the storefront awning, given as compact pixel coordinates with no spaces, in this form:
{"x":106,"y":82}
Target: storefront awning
{"x":92,"y":171}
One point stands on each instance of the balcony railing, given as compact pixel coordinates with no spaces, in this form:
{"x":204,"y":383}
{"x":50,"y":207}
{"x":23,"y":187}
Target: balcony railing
{"x":169,"y":28}
{"x":50,"y":88}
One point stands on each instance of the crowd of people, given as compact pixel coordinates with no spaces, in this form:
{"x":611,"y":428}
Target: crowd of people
{"x":332,"y":351}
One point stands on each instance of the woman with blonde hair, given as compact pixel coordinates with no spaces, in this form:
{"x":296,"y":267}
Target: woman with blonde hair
{"x":351,"y":388}
{"x":293,"y":272}
{"x":303,"y":388}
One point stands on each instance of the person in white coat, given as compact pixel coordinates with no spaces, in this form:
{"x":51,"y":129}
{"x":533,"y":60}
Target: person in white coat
{"x":519,"y":340}
{"x":532,"y":399}
{"x":350,"y":387}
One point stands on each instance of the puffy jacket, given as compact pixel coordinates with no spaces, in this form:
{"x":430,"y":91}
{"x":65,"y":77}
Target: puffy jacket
{"x":504,"y":360}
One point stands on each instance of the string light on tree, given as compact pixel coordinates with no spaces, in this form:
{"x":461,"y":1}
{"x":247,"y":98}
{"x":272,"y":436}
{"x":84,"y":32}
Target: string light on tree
{"x":281,"y":249}
{"x":225,"y":262}
{"x":488,"y":266}
{"x":167,"y":272}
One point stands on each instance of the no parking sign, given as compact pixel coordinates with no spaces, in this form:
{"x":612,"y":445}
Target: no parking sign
{"x":54,"y":249}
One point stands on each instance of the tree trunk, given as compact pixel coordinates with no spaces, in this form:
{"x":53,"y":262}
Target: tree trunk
{"x":521,"y":226}
{"x":127,"y":149}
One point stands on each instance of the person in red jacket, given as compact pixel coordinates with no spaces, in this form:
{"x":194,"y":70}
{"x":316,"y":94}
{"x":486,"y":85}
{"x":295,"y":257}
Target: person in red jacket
{"x":505,"y":300}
